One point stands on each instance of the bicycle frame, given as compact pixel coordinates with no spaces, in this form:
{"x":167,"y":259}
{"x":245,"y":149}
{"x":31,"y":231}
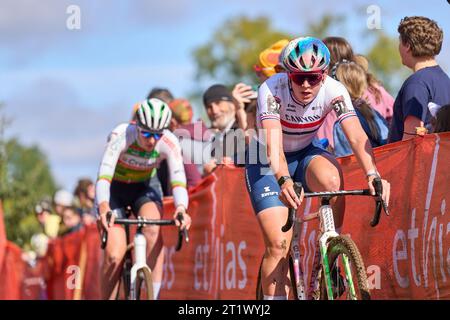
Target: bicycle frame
{"x":327,"y":232}
{"x":140,"y":259}
{"x":129,"y":274}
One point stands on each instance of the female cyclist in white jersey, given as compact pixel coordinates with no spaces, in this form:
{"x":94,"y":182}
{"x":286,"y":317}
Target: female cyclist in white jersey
{"x":291,"y":108}
{"x":132,"y":155}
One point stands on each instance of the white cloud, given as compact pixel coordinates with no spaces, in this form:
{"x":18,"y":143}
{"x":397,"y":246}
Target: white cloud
{"x":52,"y":116}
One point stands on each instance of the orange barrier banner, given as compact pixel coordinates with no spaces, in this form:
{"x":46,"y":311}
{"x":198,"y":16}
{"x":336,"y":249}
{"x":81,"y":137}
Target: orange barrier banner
{"x":407,"y":255}
{"x":12,"y":272}
{"x":2,"y":235}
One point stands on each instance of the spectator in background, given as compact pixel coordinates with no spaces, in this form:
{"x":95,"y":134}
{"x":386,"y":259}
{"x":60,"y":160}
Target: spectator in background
{"x":182,"y":115}
{"x":419,"y":42}
{"x":61,"y":200}
{"x":85,"y":194}
{"x":49,"y":222}
{"x":72,"y":220}
{"x":440,"y":120}
{"x":225,"y":142}
{"x":375,"y":94}
{"x":353,"y":77}
{"x":341,"y":51}
{"x":246,"y":101}
{"x":161,"y":94}
{"x":268,"y":62}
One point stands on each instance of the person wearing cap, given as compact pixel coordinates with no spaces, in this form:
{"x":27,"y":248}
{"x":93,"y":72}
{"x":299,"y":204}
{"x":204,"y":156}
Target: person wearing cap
{"x":226,"y":143}
{"x":62,"y":199}
{"x":49,"y":222}
{"x":268,"y":62}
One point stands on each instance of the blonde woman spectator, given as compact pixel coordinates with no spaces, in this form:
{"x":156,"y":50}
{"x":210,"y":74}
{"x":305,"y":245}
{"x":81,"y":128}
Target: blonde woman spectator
{"x":353,"y":77}
{"x":375,"y":94}
{"x":341,"y":51}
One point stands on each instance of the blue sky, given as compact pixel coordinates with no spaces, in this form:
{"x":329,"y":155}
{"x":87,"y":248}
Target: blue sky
{"x":69,"y":88}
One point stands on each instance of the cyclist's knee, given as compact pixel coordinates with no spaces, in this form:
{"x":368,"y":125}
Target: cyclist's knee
{"x":114,"y":258}
{"x":328,"y":182}
{"x":278,"y":248}
{"x":152,"y":233}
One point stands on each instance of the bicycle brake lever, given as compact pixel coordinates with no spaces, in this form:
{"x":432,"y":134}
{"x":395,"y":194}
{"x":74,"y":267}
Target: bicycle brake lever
{"x":104,"y":239}
{"x":378,"y":185}
{"x":185,"y":232}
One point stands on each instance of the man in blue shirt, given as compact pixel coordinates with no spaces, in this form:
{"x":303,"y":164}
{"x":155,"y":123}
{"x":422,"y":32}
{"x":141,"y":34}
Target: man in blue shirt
{"x":420,"y":41}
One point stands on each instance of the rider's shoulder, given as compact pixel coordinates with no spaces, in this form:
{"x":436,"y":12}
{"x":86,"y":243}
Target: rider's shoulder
{"x":123,"y":127}
{"x":331,"y":83}
{"x":333,"y":87}
{"x":278,"y":79}
{"x":169,"y":139}
{"x":121,"y":131}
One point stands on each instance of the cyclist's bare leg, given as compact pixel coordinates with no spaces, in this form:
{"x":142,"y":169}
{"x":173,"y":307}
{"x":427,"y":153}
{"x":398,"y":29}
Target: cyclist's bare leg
{"x":324,"y":174}
{"x":275,"y":267}
{"x":112,"y":262}
{"x":155,"y":254}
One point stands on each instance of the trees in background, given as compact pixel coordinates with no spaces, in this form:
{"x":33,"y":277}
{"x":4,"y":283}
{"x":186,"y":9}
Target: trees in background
{"x":228,"y":57}
{"x":25,"y":179}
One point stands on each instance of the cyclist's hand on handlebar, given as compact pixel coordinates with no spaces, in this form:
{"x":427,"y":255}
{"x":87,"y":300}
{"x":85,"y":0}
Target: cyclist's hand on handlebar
{"x":186,"y":222}
{"x":103,"y":220}
{"x":288,"y":196}
{"x":386,"y":188}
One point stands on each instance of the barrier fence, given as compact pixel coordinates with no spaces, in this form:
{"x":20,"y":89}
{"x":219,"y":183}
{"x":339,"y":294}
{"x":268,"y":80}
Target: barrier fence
{"x":407,"y":255}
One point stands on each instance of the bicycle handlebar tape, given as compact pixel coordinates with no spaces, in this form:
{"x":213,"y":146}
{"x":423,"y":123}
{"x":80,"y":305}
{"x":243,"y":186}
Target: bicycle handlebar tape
{"x":181,"y":233}
{"x":105,"y":232}
{"x":291,"y":213}
{"x":378,"y":192}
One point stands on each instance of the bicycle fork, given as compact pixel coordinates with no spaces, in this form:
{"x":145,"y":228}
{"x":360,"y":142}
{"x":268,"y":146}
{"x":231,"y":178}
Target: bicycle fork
{"x":140,"y":258}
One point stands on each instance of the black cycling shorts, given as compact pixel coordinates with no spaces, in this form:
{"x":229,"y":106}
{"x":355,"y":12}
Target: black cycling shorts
{"x":134,"y":195}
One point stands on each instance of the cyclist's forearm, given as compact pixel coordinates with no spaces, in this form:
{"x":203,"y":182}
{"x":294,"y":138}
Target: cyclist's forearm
{"x":275,"y":152}
{"x":364,"y":154}
{"x":360,"y":144}
{"x":277,"y":160}
{"x":180,"y":196}
{"x":103,"y":207}
{"x":102,"y":190}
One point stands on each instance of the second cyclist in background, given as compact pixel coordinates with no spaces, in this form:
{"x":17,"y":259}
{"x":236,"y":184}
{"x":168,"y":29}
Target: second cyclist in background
{"x":133,"y":153}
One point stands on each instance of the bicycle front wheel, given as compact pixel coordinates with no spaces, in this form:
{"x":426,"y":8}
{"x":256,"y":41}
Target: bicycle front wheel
{"x":347,"y":271}
{"x":144,"y":285}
